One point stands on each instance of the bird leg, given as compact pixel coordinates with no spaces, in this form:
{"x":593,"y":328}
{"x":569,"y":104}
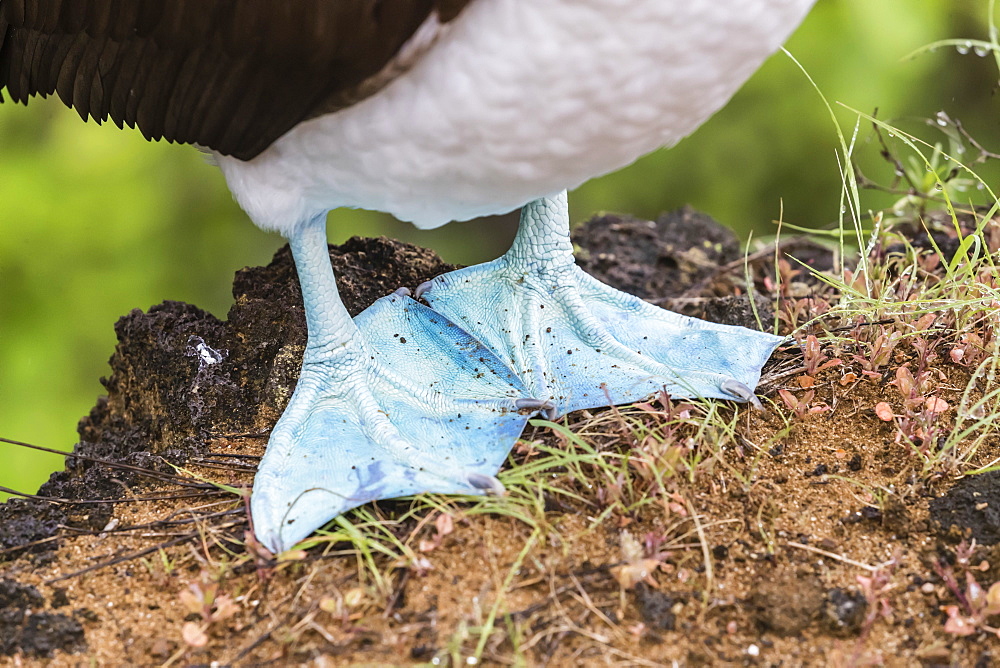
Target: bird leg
{"x":398,"y":401}
{"x":582,"y":344}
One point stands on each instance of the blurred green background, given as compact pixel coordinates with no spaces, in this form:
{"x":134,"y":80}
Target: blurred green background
{"x":95,"y":221}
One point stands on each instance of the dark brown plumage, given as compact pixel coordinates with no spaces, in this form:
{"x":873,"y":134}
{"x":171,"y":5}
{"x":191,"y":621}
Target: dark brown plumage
{"x":231,"y":75}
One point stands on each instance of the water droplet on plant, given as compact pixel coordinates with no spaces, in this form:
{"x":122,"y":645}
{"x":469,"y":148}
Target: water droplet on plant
{"x":981,"y":51}
{"x":964,"y":48}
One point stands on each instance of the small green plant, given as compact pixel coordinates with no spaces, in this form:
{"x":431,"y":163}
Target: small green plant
{"x":204,"y":599}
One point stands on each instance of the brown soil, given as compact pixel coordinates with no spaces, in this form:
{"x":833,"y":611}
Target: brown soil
{"x":814,"y":540}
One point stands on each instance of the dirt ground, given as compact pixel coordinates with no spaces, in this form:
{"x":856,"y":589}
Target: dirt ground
{"x":804,"y":534}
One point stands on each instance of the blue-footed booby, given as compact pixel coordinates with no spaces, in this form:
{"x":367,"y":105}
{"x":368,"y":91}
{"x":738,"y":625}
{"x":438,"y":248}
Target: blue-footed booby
{"x":433,"y":111}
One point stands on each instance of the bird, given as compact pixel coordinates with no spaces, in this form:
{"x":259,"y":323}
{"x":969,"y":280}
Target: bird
{"x":433,"y":111}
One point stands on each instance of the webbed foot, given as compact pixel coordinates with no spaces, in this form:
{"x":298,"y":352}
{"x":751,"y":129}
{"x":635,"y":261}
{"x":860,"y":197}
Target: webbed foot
{"x":582,"y":344}
{"x":399,"y":401}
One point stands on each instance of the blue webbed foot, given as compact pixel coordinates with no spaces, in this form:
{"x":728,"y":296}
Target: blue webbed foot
{"x":398,"y":402}
{"x":582,"y":344}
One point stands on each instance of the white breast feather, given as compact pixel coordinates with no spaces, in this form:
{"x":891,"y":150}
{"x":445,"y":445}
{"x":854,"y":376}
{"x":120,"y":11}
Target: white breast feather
{"x":519,"y":99}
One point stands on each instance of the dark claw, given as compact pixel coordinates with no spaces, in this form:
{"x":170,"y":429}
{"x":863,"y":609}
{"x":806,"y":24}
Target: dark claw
{"x":422,"y":288}
{"x":742,"y":392}
{"x":530,"y":404}
{"x":487,"y":483}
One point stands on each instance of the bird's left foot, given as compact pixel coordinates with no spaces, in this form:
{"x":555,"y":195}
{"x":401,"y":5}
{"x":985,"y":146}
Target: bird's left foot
{"x":397,"y":401}
{"x":582,"y":344}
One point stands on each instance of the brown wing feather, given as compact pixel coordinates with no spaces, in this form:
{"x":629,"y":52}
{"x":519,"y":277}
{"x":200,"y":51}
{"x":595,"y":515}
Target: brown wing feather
{"x":232,"y":75}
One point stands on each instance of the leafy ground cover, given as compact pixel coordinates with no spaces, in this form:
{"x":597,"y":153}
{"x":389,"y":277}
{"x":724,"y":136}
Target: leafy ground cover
{"x":850,"y":522}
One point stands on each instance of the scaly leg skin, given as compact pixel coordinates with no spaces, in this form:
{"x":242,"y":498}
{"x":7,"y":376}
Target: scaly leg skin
{"x":396,"y":402}
{"x":582,"y":344}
